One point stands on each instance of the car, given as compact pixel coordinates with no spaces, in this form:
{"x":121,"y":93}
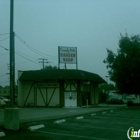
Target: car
{"x":2,"y":103}
{"x":4,"y":99}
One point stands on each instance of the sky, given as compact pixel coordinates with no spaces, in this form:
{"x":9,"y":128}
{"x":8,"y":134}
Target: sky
{"x":41,"y":26}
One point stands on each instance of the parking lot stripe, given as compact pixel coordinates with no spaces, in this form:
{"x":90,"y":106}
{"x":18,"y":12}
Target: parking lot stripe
{"x":32,"y":128}
{"x":72,"y":125}
{"x":79,"y":117}
{"x":2,"y":134}
{"x":103,"y":112}
{"x":71,"y":135}
{"x":93,"y":114}
{"x":59,"y":121}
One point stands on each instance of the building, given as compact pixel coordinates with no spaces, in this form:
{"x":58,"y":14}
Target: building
{"x":5,"y":91}
{"x":58,"y":88}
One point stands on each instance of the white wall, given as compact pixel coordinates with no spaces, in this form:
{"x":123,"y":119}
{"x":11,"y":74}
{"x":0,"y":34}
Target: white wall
{"x":23,"y":90}
{"x":46,"y":92}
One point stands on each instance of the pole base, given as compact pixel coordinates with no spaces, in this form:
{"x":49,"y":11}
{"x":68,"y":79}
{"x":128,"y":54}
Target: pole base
{"x":11,"y":118}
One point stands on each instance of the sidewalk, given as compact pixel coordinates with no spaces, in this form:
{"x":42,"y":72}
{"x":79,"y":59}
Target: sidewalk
{"x":36,"y":114}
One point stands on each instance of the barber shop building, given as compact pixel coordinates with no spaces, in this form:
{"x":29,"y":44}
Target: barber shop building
{"x":58,"y":88}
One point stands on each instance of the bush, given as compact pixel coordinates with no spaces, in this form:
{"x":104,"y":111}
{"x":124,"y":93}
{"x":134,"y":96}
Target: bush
{"x":114,"y":101}
{"x":129,"y":103}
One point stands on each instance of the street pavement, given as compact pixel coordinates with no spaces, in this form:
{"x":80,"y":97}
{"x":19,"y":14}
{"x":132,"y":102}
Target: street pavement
{"x":41,"y":113}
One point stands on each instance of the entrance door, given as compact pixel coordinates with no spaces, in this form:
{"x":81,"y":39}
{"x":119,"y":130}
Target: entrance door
{"x":73,"y":99}
{"x":70,"y":99}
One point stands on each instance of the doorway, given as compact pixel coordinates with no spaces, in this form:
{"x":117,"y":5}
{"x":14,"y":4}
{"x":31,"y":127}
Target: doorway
{"x":70,"y":99}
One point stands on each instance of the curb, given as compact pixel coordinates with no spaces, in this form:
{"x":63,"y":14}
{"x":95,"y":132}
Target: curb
{"x":64,"y":115}
{"x":32,"y":128}
{"x":2,"y":134}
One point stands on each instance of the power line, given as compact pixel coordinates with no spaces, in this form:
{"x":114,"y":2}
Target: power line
{"x":2,"y":75}
{"x":4,"y":34}
{"x":26,"y":58}
{"x":33,"y":49}
{"x":25,"y":55}
{"x":4,"y":38}
{"x":15,"y":52}
{"x":4,"y":48}
{"x":3,"y":54}
{"x":28,"y":46}
{"x":4,"y":81}
{"x":20,"y":55}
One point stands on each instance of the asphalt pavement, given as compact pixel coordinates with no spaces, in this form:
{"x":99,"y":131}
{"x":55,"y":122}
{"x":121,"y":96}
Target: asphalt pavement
{"x":31,"y":114}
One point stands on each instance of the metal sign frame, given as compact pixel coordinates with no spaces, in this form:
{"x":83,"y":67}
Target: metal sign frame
{"x":67,"y":55}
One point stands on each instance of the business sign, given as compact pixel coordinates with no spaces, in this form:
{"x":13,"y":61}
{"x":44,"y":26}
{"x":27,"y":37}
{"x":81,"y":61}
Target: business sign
{"x":67,"y":55}
{"x":47,"y":84}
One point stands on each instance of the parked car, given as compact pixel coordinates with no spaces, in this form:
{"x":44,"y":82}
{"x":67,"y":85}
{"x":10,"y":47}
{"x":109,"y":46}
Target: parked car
{"x":4,"y":99}
{"x":2,"y":103}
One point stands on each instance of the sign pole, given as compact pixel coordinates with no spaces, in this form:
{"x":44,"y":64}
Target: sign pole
{"x":58,"y":57}
{"x":76,"y":60}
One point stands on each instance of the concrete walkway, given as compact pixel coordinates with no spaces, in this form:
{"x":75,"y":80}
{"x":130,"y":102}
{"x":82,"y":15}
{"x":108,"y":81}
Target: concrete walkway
{"x":36,"y":114}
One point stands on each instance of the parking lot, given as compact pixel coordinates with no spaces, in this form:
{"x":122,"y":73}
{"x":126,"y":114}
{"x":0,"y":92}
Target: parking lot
{"x":102,"y":125}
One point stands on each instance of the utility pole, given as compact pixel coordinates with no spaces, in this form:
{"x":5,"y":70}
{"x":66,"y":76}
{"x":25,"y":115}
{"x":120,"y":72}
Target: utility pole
{"x":12,"y":122}
{"x":8,"y":67}
{"x":12,"y":54}
{"x":43,"y":61}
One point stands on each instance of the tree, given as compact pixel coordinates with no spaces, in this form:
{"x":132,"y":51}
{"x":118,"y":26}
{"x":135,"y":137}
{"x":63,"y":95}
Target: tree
{"x":105,"y":87}
{"x":104,"y":90}
{"x":50,"y":67}
{"x":124,"y":66}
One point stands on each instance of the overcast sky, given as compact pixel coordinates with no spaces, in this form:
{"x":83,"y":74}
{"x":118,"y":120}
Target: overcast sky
{"x":43,"y":25}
